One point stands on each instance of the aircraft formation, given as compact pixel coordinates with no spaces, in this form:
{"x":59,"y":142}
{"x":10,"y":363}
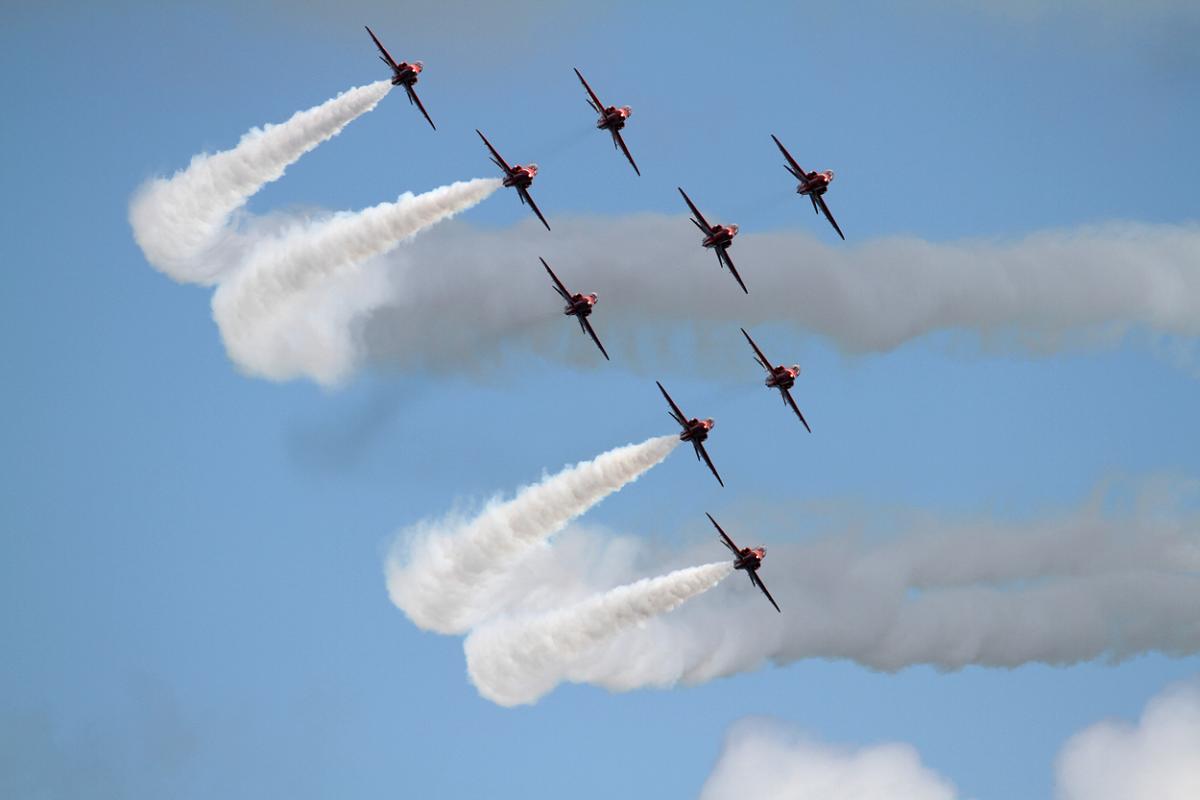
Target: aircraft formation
{"x":717,"y":237}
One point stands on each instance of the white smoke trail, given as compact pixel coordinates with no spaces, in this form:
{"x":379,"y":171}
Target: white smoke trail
{"x":262,"y":310}
{"x":516,"y":661}
{"x":1040,"y":292}
{"x":1081,"y":586}
{"x":177,"y":220}
{"x":445,"y":575}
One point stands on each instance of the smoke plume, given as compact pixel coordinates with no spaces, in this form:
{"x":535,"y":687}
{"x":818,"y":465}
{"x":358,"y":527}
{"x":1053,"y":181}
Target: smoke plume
{"x":516,"y":661}
{"x":446,"y":575}
{"x":660,"y":291}
{"x":266,"y":310}
{"x":1094,"y":583}
{"x":292,"y":292}
{"x":177,"y":220}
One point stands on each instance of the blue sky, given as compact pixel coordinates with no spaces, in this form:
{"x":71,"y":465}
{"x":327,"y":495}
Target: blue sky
{"x":190,"y":561}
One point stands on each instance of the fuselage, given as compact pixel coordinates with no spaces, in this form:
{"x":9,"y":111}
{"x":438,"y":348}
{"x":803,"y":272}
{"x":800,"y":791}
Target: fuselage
{"x":783,"y":377}
{"x":750,"y":558}
{"x":721,"y":236}
{"x":816,"y":183}
{"x":581,"y":305}
{"x":405,"y":74}
{"x":697,"y":430}
{"x":521,"y":177}
{"x":614,"y":118}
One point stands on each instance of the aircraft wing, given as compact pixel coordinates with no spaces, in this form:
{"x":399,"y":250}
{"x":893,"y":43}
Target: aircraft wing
{"x":675,"y":412}
{"x":828,"y":215}
{"x":725,"y":540}
{"x":587,"y":326}
{"x":757,"y":581}
{"x":758,"y":353}
{"x":792,"y":167}
{"x":787,"y":398}
{"x":700,"y":451}
{"x":412,"y":98}
{"x":526,"y":197}
{"x":592,"y":99}
{"x":497,"y":159}
{"x":725,"y":260}
{"x":700,"y":221}
{"x":386,"y":57}
{"x":558,"y":285}
{"x":619,"y":142}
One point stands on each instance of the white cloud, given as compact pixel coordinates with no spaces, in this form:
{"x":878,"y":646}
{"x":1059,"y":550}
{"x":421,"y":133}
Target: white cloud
{"x":765,"y":761}
{"x":1158,"y":758}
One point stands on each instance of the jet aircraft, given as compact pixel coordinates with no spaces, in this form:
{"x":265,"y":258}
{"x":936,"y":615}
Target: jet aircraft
{"x":579,"y":306}
{"x":718,"y":237}
{"x":612,"y":119}
{"x":779,"y":377}
{"x":813,"y":184}
{"x":747,"y":558}
{"x":518,"y":177}
{"x":403,"y":74}
{"x":694,"y":431}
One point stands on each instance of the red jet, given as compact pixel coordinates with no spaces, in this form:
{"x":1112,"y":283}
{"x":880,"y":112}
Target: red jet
{"x":779,"y":377}
{"x":749,"y":559}
{"x":517,"y":176}
{"x":694,"y":431}
{"x":612,"y":119}
{"x":579,"y":306}
{"x":403,"y":74}
{"x":718,"y":237}
{"x":813,"y":184}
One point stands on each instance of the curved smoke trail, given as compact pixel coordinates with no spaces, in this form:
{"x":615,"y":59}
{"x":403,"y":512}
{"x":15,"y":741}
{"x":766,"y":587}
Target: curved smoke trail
{"x":307,"y":256}
{"x":516,"y":661}
{"x":443,"y":574}
{"x":1077,"y":587}
{"x":177,"y":220}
